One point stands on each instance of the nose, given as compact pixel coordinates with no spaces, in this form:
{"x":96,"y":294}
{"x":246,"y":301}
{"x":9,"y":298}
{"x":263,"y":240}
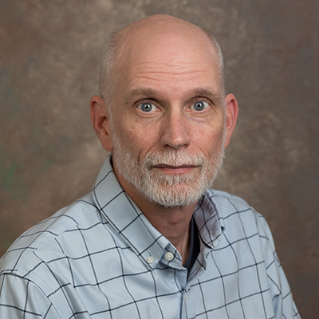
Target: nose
{"x":175,"y":131}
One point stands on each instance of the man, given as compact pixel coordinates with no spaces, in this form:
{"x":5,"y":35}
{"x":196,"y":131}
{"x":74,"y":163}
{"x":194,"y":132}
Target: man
{"x":151,"y":240}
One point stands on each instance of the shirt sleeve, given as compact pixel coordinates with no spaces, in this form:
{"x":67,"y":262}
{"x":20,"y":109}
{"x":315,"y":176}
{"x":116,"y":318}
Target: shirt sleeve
{"x":21,"y":298}
{"x":283,"y":302}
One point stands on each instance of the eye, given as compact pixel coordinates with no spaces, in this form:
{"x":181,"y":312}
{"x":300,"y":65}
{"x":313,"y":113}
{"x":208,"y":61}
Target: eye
{"x":200,"y":106}
{"x":147,"y":107}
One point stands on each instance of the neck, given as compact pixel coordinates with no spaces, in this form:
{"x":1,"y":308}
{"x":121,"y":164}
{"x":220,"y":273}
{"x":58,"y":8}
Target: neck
{"x":172,"y":222}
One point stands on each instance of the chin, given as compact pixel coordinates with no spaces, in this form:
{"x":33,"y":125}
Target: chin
{"x":175,"y":195}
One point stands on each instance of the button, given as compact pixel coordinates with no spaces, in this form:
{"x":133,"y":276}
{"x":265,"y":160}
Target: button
{"x":149,"y":259}
{"x":169,"y":256}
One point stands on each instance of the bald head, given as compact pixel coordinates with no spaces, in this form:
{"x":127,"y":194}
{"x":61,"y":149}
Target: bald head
{"x":121,"y":47}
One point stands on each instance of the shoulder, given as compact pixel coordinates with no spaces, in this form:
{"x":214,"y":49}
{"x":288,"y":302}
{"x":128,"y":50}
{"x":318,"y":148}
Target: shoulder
{"x":50,"y":237}
{"x":240,"y":223}
{"x":227,"y":203}
{"x":235,"y":213}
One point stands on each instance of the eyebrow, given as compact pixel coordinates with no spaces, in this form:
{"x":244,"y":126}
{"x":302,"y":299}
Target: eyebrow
{"x":140,"y":92}
{"x":150,"y":93}
{"x":216,"y":97}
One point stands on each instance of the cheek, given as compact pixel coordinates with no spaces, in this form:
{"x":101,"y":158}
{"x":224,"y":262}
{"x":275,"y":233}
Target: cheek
{"x":137,"y":137}
{"x":210,"y":139}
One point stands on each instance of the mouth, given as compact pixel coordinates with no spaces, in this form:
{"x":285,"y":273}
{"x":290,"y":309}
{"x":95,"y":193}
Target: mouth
{"x":171,"y":169}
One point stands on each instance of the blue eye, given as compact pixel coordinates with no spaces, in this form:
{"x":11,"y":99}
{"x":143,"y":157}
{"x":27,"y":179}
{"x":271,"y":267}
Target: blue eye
{"x":147,"y":107}
{"x":200,"y":106}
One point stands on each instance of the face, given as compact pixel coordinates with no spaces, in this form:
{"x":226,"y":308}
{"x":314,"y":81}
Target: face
{"x":169,"y":121}
{"x":170,"y":178}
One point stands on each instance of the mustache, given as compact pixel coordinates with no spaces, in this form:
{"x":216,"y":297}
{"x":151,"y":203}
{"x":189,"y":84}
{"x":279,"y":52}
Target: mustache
{"x":173,"y":158}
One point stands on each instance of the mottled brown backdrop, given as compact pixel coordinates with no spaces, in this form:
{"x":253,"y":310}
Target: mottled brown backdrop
{"x":49,"y":155}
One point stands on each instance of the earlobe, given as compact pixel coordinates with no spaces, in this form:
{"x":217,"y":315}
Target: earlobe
{"x":231,"y":116}
{"x":101,"y":122}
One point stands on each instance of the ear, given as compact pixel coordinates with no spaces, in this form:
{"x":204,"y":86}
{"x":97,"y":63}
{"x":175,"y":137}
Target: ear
{"x":101,"y":122}
{"x":231,"y":116}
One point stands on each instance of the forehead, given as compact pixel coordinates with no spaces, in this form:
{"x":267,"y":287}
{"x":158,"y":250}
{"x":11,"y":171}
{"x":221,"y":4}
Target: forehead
{"x":174,"y":58}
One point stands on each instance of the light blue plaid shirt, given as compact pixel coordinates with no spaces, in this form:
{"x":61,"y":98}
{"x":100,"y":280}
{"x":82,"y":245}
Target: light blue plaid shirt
{"x":101,"y":258}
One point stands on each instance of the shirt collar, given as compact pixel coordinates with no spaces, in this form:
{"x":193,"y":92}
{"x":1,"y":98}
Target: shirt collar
{"x":208,"y":219}
{"x":129,"y":222}
{"x":125,"y":217}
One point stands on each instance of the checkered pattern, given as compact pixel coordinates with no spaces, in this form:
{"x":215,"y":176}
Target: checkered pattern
{"x":89,"y":260}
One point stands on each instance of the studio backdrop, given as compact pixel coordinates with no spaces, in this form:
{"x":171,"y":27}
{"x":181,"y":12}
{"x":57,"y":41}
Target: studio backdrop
{"x":50,"y":156}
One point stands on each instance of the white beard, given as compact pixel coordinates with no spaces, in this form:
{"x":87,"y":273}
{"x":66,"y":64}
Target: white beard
{"x":166,"y":189}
